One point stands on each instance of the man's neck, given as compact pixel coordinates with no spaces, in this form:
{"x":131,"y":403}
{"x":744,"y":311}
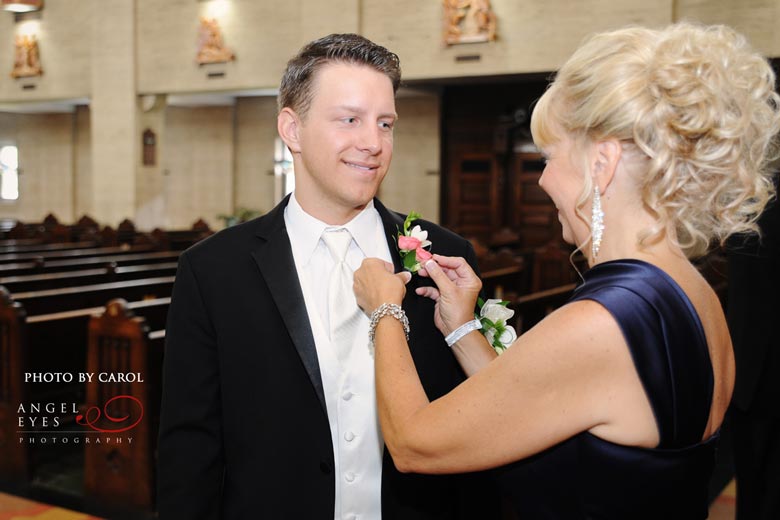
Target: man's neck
{"x":326,"y":212}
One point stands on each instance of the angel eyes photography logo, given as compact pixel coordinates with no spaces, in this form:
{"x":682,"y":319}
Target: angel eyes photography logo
{"x":109,"y":419}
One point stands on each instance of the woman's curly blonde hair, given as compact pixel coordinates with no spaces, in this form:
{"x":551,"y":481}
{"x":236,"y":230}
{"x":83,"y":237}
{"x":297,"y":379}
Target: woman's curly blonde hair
{"x":697,"y":101}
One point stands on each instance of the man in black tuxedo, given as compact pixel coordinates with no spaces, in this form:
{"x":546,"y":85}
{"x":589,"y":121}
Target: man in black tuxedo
{"x":263,"y":414}
{"x":754,"y":322}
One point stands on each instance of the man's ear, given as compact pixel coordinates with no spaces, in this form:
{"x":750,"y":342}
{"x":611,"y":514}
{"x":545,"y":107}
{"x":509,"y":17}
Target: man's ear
{"x":288,"y":125}
{"x":605,"y":162}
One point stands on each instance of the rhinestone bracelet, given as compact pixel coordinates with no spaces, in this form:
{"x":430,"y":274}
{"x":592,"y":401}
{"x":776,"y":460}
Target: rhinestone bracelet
{"x":386,"y":309}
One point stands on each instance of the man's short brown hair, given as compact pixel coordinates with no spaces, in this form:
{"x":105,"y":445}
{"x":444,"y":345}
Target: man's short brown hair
{"x":296,"y":89}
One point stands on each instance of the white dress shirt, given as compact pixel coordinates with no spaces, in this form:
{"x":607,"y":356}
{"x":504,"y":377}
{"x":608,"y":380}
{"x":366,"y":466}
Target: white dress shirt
{"x":349,"y":390}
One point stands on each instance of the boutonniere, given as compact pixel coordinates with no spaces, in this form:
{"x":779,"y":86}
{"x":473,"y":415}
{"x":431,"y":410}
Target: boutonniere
{"x":412,"y":243}
{"x":493,"y":314}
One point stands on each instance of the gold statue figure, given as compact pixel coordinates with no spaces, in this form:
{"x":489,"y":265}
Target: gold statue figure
{"x":27,"y":60}
{"x":468,"y":21}
{"x":211,"y":47}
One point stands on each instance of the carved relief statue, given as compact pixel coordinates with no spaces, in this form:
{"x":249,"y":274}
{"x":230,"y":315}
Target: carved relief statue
{"x":27,"y":61}
{"x":211,"y":47}
{"x":468,"y":21}
{"x":453,"y":14}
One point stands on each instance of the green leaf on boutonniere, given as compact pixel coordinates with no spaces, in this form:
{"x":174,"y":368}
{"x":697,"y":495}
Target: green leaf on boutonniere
{"x":411,"y":217}
{"x":410,"y":262}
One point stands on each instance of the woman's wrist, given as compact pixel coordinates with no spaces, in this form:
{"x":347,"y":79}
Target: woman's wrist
{"x":454,"y":320}
{"x":386,"y":309}
{"x":457,"y":334}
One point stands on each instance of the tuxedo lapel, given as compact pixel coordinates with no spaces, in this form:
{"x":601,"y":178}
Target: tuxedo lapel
{"x":393,"y":223}
{"x":273,"y":256}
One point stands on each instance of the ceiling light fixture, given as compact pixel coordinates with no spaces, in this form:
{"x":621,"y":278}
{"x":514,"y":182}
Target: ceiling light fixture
{"x":22,"y":6}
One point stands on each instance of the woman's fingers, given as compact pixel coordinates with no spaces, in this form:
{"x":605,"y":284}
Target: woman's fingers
{"x":458,"y":264}
{"x":428,"y":292}
{"x":448,"y":261}
{"x":371,"y":264}
{"x":439,"y":277}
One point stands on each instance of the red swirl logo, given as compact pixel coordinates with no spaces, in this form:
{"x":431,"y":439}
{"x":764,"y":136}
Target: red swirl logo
{"x":93,"y":414}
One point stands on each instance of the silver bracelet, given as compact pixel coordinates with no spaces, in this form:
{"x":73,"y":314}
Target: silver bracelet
{"x":386,"y":309}
{"x":455,"y":336}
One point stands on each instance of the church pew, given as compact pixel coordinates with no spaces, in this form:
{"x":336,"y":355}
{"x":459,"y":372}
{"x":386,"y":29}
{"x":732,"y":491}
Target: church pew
{"x":77,"y":297}
{"x":6,"y":225}
{"x":55,"y":343}
{"x":22,"y":231}
{"x":553,"y":266}
{"x":6,"y":258}
{"x":52,"y":235}
{"x":503,"y":274}
{"x":111,"y":273}
{"x":47,"y":231}
{"x":179,"y":239}
{"x":122,"y":476}
{"x":14,"y":242}
{"x":13,"y":459}
{"x":41,"y":246}
{"x":41,"y":266}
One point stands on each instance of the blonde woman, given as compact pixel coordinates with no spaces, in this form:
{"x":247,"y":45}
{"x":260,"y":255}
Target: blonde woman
{"x":656,"y":144}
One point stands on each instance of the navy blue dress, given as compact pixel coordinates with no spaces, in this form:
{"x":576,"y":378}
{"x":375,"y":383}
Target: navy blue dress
{"x":586,"y":477}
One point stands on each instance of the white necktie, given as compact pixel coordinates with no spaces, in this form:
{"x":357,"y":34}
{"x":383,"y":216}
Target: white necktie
{"x":343,"y":311}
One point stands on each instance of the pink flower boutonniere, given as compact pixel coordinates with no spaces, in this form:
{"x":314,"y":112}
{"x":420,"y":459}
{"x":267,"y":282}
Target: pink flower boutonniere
{"x":412,"y":243}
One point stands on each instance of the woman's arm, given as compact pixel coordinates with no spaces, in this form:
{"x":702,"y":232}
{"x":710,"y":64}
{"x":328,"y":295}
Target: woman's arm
{"x":561,"y":378}
{"x":570,"y":373}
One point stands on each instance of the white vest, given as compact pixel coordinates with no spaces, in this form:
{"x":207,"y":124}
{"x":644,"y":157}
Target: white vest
{"x":350,"y":395}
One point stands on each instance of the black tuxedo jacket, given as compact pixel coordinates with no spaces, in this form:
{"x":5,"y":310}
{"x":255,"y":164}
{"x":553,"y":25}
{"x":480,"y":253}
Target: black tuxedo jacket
{"x":244,"y":431}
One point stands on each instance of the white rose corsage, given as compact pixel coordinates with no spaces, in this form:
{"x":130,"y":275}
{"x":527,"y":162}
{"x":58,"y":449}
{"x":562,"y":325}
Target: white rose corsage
{"x":493,"y":314}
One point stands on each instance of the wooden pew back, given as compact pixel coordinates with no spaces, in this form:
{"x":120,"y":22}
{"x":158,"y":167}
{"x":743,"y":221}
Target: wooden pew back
{"x":13,"y":458}
{"x":55,"y":342}
{"x":6,"y":248}
{"x":532,"y":308}
{"x":39,"y":265}
{"x":123,"y":474}
{"x":110,"y":273}
{"x":61,"y":254}
{"x":67,"y":298}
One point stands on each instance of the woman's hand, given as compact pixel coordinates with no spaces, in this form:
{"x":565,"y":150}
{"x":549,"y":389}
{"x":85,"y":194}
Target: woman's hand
{"x":456,"y":292}
{"x":375,"y":284}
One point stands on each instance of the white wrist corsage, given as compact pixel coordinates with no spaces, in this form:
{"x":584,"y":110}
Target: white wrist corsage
{"x":493,"y":314}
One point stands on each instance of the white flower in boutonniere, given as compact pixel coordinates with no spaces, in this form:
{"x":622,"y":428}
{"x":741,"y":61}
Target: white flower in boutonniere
{"x":493,"y":314}
{"x":412,"y":243}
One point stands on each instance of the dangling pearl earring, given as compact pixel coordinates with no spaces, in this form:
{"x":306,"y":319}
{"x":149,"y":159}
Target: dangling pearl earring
{"x":596,"y":223}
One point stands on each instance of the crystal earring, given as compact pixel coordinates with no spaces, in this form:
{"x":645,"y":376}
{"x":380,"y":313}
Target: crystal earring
{"x":596,"y":223}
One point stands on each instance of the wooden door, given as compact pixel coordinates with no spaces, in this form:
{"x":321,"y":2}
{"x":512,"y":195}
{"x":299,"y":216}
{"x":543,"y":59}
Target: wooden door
{"x":531,"y":213}
{"x":474,"y":195}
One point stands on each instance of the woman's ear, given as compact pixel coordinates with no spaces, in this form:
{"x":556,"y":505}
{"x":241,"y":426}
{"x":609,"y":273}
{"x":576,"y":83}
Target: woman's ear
{"x":606,"y":161}
{"x":288,"y":124}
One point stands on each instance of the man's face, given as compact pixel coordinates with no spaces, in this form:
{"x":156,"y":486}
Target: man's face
{"x":345,"y":141}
